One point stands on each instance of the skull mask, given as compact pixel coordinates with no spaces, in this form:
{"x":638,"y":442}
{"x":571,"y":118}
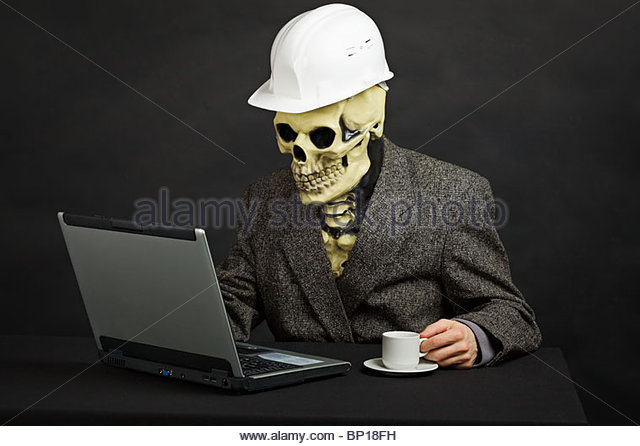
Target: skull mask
{"x":329,"y":144}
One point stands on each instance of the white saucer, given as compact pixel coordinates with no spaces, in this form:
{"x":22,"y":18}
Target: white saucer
{"x":377,"y":365}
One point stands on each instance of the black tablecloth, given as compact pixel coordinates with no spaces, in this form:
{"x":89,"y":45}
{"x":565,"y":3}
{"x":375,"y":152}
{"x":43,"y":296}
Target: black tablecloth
{"x":528,"y":390}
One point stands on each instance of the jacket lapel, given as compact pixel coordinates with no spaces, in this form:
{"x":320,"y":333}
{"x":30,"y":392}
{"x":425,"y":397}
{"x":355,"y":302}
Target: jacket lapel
{"x":379,"y":239}
{"x":304,"y":248}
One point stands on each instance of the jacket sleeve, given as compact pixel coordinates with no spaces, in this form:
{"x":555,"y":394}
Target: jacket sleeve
{"x":237,"y":281}
{"x":477,"y":277}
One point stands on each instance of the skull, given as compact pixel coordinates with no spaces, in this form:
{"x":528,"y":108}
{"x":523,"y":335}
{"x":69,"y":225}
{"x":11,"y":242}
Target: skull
{"x":329,"y":144}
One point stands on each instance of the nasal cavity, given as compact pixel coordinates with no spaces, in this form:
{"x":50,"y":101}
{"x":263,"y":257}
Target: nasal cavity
{"x":299,"y":154}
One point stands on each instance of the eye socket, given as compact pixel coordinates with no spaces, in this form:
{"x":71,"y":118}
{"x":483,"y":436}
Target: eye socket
{"x":322,"y":137}
{"x":286,"y":132}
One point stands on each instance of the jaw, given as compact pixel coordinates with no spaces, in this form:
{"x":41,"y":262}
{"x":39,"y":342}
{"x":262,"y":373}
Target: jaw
{"x":330,"y":183}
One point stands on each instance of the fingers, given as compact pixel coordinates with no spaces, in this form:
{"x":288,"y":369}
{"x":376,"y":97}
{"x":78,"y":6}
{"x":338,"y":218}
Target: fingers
{"x":450,"y":344}
{"x":448,"y":337}
{"x":463,"y":361}
{"x":440,"y":355}
{"x":436,"y":327}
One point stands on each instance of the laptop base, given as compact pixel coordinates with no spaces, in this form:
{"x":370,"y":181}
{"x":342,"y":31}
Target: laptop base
{"x":218,"y":378}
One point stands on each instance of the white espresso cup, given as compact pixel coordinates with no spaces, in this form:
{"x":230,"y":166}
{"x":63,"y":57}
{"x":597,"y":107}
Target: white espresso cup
{"x":401,"y":349}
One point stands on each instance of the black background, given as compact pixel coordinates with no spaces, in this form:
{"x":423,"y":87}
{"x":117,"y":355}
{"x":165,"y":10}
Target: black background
{"x":559,"y":147}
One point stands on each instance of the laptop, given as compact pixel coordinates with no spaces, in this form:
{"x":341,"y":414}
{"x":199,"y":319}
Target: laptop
{"x":154,"y":305}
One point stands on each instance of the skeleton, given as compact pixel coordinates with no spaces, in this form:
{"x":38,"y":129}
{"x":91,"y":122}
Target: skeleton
{"x":329,"y":150}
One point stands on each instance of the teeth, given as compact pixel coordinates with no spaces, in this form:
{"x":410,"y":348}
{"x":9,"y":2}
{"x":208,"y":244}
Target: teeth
{"x":309,"y":181}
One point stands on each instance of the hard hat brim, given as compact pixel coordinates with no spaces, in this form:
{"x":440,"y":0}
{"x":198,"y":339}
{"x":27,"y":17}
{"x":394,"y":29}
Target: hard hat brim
{"x":264,"y":98}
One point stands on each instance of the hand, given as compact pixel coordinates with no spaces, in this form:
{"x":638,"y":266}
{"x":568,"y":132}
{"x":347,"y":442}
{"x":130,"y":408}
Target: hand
{"x":450,"y":344}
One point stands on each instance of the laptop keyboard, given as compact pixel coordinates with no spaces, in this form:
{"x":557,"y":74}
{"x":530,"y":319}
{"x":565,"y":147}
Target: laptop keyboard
{"x":255,"y":365}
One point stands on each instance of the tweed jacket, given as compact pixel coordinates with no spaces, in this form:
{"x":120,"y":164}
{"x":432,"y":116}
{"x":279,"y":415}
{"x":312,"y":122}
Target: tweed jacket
{"x":423,"y":252}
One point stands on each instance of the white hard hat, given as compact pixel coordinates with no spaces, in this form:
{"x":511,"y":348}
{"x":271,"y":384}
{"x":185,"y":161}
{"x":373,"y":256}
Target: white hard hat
{"x":320,"y":57}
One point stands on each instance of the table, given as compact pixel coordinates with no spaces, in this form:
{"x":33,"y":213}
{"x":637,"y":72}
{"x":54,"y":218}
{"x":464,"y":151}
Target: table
{"x":527,"y":390}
